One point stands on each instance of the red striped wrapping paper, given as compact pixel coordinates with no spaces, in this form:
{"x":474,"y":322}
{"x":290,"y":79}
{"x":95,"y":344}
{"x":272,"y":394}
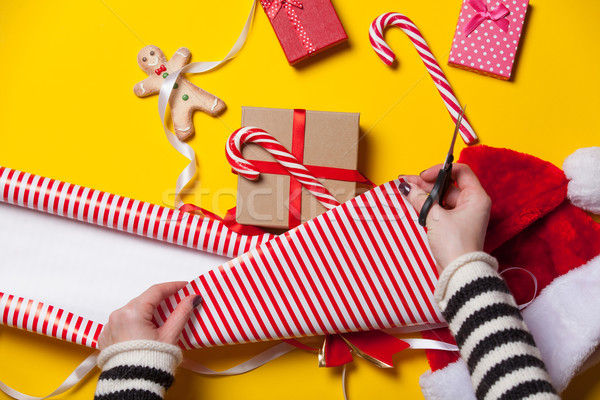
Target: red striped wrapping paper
{"x":48,"y":320}
{"x":363,"y":265}
{"x":122,"y":213}
{"x":111,"y":211}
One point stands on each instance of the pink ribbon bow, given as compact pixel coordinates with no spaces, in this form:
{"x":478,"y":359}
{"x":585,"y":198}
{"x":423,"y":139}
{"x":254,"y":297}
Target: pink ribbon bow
{"x":497,"y":15}
{"x":274,"y":6}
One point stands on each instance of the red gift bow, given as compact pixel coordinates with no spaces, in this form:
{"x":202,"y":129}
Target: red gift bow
{"x":374,"y":346}
{"x":272,"y":8}
{"x":497,"y":15}
{"x":295,"y":197}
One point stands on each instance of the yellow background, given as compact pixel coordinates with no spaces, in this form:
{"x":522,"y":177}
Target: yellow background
{"x":68,"y":112}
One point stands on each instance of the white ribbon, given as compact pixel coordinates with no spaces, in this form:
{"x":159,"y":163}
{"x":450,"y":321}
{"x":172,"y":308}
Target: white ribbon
{"x":428,"y":344}
{"x":257,"y":361}
{"x":344,"y":369}
{"x":76,"y":376}
{"x":185,"y":149}
{"x":90,"y":362}
{"x":535,"y":285}
{"x":253,"y":363}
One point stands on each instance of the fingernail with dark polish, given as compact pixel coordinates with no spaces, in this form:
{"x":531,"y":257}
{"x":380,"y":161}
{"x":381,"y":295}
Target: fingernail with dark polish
{"x":197,"y":300}
{"x":421,"y":173}
{"x":404,"y":188}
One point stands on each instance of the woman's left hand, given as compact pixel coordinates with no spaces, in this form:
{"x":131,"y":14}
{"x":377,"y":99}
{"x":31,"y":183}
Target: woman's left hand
{"x":134,"y":321}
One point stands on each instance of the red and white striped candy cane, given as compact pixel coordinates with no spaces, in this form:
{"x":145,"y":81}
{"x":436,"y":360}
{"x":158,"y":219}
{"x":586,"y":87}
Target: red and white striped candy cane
{"x":387,"y":55}
{"x":246,"y":169}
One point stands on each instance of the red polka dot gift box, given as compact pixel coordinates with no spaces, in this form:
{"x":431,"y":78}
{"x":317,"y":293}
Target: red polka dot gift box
{"x":304,"y":27}
{"x":487,"y":36}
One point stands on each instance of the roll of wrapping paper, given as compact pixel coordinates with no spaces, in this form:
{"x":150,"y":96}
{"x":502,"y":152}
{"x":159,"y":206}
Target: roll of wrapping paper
{"x":124,"y":214}
{"x":363,"y":265}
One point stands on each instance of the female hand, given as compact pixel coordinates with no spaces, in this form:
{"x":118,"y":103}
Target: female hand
{"x":134,"y":321}
{"x":460,"y":227}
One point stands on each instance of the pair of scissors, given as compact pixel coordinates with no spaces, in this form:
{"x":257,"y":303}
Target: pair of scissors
{"x":442,"y":183}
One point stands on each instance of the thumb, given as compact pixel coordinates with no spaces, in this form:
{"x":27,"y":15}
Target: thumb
{"x":416,"y":196}
{"x":175,"y":323}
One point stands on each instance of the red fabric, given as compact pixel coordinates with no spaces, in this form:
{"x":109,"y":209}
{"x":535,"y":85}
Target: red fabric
{"x":523,"y":189}
{"x":532,"y":226}
{"x":564,"y":240}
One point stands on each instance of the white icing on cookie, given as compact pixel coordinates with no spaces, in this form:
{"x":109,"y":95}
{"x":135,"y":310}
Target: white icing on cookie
{"x":215,"y":104}
{"x":181,"y":54}
{"x":185,"y":130}
{"x":142,"y":87}
{"x":155,"y":62}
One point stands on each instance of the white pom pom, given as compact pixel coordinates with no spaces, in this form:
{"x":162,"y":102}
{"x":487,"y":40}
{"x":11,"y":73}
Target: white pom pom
{"x":583,"y":169}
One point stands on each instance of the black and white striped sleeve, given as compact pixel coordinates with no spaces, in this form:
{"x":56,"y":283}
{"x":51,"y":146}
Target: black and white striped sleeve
{"x":502,"y":357}
{"x":137,"y":369}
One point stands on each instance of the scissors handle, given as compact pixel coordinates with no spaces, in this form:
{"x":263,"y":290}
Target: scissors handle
{"x":438,"y":192}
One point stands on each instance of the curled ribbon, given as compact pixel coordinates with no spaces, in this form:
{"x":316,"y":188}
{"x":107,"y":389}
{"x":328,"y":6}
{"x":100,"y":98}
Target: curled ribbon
{"x":378,"y":347}
{"x":185,"y":149}
{"x":375,"y":346}
{"x":497,"y":15}
{"x":535,"y":284}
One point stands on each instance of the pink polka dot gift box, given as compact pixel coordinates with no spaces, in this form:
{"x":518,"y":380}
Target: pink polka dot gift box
{"x":487,"y":36}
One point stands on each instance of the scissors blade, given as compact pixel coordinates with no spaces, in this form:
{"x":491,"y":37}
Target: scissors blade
{"x":450,"y":156}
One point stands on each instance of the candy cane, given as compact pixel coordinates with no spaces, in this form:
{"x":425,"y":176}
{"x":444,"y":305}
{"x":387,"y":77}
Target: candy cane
{"x":387,"y":55}
{"x":246,"y":169}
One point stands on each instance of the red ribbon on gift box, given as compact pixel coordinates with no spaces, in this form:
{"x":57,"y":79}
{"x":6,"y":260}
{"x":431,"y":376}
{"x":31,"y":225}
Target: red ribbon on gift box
{"x":272,"y":8}
{"x":295,"y":197}
{"x":497,"y":15}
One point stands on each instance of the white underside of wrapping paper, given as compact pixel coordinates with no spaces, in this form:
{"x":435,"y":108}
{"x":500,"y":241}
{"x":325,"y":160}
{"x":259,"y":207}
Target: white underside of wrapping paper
{"x":85,"y":269}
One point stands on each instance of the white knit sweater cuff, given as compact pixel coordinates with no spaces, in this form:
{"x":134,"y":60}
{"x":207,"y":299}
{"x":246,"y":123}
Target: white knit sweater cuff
{"x":148,"y":353}
{"x":464,"y":266}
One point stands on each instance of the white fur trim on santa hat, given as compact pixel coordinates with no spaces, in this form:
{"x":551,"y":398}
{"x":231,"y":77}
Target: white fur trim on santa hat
{"x":583,"y":169}
{"x":565,"y":324}
{"x":452,"y":382}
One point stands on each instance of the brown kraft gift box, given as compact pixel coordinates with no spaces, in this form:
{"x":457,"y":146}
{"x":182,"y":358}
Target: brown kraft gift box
{"x":330,"y":140}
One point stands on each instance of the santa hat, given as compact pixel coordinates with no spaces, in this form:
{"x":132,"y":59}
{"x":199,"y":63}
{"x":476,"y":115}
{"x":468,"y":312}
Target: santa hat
{"x":537,"y":224}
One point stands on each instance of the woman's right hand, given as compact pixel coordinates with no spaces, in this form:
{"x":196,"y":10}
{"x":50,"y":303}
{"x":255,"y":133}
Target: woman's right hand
{"x":460,"y":227}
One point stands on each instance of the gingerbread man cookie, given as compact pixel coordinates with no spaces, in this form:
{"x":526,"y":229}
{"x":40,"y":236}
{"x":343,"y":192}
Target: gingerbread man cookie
{"x":185,"y":98}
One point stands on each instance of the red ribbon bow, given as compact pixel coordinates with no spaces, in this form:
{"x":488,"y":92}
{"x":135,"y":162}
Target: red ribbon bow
{"x":377,"y":347}
{"x":162,"y":68}
{"x":497,"y":15}
{"x":274,"y":7}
